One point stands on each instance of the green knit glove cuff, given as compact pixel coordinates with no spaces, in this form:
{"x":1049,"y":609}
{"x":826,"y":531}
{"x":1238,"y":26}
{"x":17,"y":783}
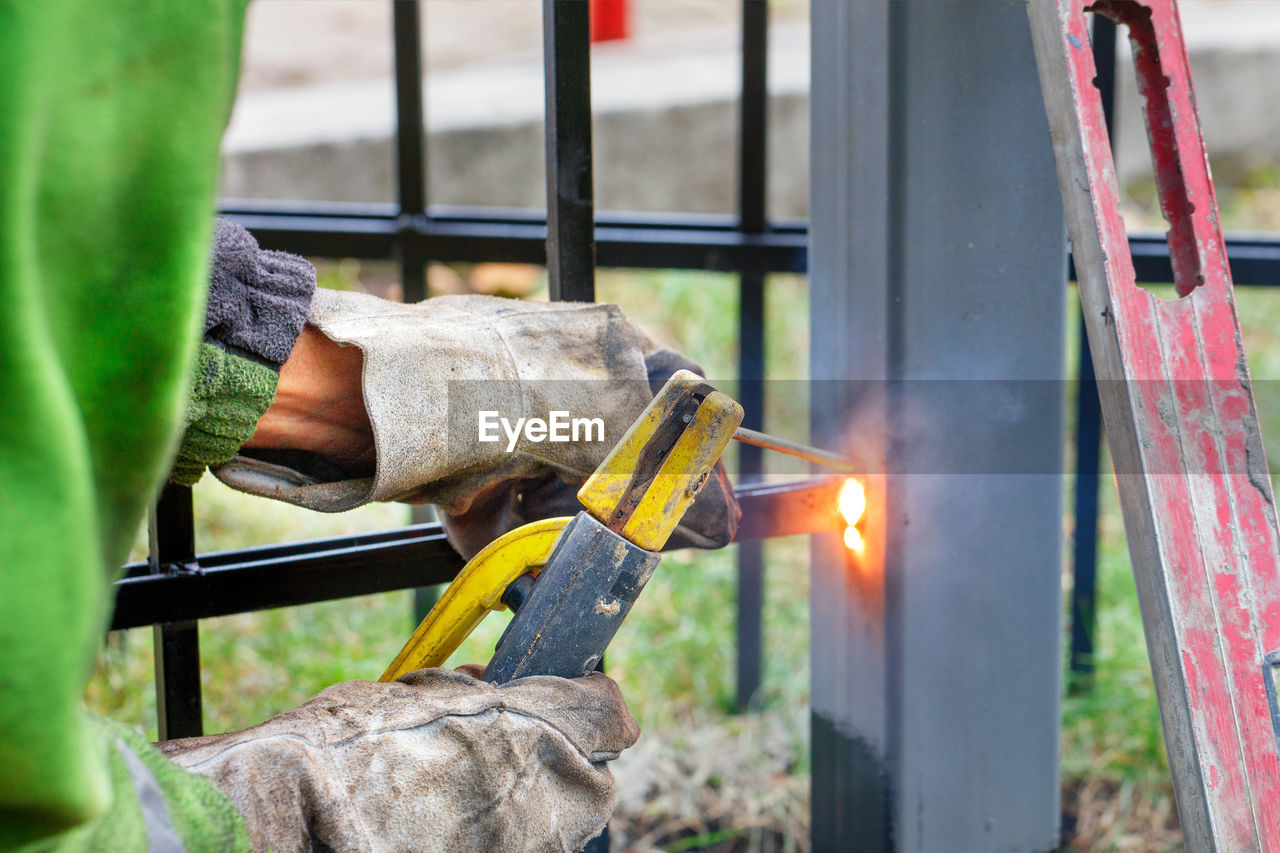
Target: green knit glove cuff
{"x":204,"y":817}
{"x":228,"y":395}
{"x":190,"y":808}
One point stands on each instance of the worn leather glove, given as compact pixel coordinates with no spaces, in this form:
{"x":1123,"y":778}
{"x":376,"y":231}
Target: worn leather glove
{"x":432,"y":368}
{"x":436,"y":761}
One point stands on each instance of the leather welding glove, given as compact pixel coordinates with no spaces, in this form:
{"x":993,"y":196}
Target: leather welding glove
{"x":432,"y":371}
{"x":436,"y":761}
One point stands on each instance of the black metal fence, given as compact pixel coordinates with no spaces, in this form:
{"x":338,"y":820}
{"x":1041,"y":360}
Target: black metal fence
{"x":177,"y":587}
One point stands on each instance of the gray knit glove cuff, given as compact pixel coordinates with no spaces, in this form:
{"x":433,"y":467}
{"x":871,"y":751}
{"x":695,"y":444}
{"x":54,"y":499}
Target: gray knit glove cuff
{"x":258,"y":299}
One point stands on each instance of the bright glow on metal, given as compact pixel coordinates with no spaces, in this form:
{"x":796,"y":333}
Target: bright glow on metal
{"x":852,"y":503}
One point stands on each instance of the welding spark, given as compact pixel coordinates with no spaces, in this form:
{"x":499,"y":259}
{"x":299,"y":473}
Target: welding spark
{"x":852,"y":503}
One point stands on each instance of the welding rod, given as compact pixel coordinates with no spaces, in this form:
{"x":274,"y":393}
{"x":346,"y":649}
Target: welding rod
{"x":791,"y":448}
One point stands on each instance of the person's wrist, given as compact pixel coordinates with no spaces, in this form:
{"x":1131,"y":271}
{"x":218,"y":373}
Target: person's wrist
{"x":319,"y":405}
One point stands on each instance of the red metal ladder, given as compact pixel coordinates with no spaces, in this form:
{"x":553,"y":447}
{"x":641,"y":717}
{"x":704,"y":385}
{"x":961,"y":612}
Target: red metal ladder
{"x":1182,"y":425}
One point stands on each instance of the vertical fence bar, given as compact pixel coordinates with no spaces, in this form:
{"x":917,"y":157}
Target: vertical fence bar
{"x":571,"y":247}
{"x":1085,"y":556}
{"x":410,"y":168}
{"x":571,"y":244}
{"x":411,"y":195}
{"x":177,"y":644}
{"x":1089,"y":421}
{"x":752,"y":182}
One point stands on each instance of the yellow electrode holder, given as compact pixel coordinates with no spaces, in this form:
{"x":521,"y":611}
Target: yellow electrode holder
{"x":640,"y":491}
{"x":474,"y":592}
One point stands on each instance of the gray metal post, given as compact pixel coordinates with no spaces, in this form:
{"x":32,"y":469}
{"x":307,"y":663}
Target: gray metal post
{"x":937,"y":253}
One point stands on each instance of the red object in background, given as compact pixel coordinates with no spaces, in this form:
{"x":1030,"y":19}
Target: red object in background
{"x":610,"y":20}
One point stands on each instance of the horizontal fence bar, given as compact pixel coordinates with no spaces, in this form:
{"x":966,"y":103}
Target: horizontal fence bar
{"x":642,"y":240}
{"x":284,"y":575}
{"x":770,"y":510}
{"x":666,"y":220}
{"x":461,"y":234}
{"x":294,"y":573}
{"x":1255,"y":261}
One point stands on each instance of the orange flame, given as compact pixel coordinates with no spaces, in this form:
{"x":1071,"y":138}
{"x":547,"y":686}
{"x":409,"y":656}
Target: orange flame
{"x":852,"y":503}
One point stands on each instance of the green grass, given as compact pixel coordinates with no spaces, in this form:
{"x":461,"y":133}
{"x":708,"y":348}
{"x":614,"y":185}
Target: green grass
{"x":1113,"y":727}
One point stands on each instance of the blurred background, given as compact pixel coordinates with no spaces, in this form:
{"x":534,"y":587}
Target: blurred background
{"x":315,"y":120}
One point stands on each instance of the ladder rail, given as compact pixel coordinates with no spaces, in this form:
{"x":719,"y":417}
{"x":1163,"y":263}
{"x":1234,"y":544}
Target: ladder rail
{"x":1182,"y":424}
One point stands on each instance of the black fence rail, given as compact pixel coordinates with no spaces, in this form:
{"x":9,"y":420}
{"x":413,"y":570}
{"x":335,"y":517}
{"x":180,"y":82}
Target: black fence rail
{"x":714,"y":242}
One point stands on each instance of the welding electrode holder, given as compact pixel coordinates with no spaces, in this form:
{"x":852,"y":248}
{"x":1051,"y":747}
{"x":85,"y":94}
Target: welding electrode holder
{"x":590,"y":568}
{"x":570,"y":615}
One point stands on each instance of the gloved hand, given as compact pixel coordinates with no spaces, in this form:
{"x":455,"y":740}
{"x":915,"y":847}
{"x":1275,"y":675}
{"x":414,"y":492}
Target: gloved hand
{"x":431,"y":369}
{"x":434,"y":761}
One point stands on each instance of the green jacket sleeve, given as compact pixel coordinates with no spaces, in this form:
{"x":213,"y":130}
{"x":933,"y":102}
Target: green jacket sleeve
{"x":110,"y":119}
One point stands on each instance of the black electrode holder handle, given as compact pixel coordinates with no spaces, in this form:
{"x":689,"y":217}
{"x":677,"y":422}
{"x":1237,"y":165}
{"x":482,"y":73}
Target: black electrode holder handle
{"x":570,"y":614}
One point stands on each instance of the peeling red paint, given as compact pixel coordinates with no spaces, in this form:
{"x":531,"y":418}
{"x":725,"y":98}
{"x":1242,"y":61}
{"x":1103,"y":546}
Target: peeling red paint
{"x":1201,"y":516}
